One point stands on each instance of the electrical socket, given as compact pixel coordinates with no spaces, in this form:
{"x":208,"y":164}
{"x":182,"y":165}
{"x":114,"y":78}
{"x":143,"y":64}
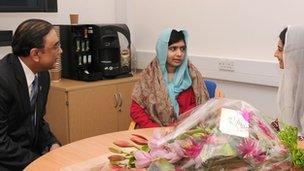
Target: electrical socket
{"x":226,"y":65}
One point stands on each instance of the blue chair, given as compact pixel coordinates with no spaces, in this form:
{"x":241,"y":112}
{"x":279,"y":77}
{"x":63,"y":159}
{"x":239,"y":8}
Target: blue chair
{"x":211,"y":87}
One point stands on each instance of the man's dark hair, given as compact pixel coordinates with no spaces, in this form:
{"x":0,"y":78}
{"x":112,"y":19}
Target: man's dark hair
{"x":176,"y":36}
{"x":30,"y":34}
{"x":283,"y":35}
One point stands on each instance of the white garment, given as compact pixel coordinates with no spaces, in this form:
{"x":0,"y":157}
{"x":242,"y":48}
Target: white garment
{"x":29,"y":75}
{"x":291,"y":89}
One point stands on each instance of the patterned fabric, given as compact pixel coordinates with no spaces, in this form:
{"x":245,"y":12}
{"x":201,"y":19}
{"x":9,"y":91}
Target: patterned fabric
{"x":151,"y":93}
{"x":34,"y":91}
{"x":33,"y":98}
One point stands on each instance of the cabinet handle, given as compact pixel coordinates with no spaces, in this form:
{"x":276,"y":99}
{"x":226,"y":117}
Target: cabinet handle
{"x":120,"y":99}
{"x":115,"y":100}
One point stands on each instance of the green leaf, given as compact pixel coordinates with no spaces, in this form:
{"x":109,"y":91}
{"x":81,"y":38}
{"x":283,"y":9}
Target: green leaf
{"x":132,"y":162}
{"x":193,"y":131}
{"x":297,"y":156}
{"x":145,"y":148}
{"x":289,"y":137}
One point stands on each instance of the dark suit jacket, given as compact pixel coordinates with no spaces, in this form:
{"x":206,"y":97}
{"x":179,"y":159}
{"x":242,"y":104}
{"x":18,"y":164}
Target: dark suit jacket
{"x":21,"y":141}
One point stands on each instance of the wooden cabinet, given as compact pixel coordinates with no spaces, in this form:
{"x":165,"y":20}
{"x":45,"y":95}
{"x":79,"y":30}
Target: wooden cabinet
{"x":77,"y":109}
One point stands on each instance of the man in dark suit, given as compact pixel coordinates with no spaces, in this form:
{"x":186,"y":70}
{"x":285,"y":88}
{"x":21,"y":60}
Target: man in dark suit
{"x":24,"y":87}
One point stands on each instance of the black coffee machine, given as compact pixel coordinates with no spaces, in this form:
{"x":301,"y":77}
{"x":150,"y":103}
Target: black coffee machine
{"x":94,"y":52}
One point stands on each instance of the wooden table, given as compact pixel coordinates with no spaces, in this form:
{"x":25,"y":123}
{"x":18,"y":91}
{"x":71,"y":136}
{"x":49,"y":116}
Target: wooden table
{"x":90,"y":150}
{"x":85,"y":153}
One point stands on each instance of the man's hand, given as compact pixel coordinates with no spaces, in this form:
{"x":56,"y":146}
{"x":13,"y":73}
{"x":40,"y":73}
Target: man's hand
{"x":54,"y":146}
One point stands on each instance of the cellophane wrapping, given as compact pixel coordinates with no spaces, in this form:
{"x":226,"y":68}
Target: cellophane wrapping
{"x":221,"y":134}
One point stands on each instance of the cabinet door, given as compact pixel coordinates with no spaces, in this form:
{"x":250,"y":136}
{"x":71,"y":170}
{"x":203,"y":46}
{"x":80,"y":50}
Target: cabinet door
{"x":57,"y":115}
{"x":124,"y":90}
{"x":92,"y":112}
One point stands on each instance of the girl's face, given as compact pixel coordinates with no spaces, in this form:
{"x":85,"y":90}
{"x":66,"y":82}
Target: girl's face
{"x":279,"y":54}
{"x":176,"y":54}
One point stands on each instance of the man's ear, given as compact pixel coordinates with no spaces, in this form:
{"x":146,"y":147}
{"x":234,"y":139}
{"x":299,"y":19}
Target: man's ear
{"x":35,"y":54}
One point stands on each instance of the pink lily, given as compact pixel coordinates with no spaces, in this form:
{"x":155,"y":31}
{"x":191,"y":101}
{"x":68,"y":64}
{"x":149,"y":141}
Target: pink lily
{"x":259,"y":156}
{"x":209,"y":139}
{"x":246,"y":115}
{"x":116,"y":158}
{"x":155,"y":139}
{"x":176,"y":146}
{"x":193,"y":150}
{"x":249,"y":150}
{"x":247,"y":147}
{"x":123,"y":143}
{"x":173,"y":157}
{"x":143,"y":159}
{"x":139,"y":140}
{"x":158,"y":152}
{"x":140,"y":136}
{"x":265,"y":130}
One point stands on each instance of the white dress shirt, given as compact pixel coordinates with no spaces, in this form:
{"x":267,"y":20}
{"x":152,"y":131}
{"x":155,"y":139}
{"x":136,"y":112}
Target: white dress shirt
{"x":29,"y":75}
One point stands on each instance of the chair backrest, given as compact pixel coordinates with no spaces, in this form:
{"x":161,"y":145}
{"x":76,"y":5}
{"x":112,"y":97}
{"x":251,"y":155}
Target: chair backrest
{"x":211,"y":87}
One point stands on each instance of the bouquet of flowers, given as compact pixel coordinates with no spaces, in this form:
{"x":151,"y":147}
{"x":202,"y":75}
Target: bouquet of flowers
{"x":222,"y":134}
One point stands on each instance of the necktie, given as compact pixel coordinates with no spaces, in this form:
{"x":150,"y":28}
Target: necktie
{"x":33,"y":98}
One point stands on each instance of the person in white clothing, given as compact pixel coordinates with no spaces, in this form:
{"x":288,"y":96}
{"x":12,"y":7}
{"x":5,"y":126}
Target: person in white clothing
{"x":290,"y":54}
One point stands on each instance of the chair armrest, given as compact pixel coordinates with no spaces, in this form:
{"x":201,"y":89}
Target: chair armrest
{"x":132,"y":125}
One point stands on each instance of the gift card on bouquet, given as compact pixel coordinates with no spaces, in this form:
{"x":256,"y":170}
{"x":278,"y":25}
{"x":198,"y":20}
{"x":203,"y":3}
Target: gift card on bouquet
{"x":232,"y":122}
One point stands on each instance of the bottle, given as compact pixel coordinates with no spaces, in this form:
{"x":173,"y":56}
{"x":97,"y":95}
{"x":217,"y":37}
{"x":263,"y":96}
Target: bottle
{"x":86,"y":40}
{"x":89,"y":59}
{"x":82,"y":46}
{"x":87,"y":45}
{"x":84,"y":59}
{"x":77,"y":45}
{"x":79,"y":60}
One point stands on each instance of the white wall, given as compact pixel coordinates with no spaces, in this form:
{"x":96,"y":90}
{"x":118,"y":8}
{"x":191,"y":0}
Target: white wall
{"x":92,"y":11}
{"x":261,"y":97}
{"x":234,"y":28}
